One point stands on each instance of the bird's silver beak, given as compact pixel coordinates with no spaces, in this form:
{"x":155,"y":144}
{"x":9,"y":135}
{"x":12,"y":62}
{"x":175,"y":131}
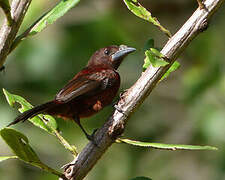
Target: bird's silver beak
{"x":122,"y":52}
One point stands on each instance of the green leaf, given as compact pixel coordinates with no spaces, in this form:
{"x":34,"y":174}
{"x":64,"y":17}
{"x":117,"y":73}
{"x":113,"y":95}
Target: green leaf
{"x":149,"y":44}
{"x":3,"y":158}
{"x":37,"y":120}
{"x":172,"y":68}
{"x":141,"y":178}
{"x":166,"y":146}
{"x":19,"y":144}
{"x":154,"y":58}
{"x":48,"y":18}
{"x":136,"y":8}
{"x":45,"y":122}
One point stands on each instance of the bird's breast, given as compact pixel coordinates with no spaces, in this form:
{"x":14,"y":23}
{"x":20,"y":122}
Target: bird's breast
{"x":93,"y":104}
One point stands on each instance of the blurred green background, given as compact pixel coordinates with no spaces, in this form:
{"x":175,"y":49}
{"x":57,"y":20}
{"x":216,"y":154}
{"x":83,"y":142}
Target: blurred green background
{"x":186,"y":108}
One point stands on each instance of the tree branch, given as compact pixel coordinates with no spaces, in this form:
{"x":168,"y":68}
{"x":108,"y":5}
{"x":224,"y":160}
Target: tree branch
{"x":134,"y":96}
{"x":8,"y":33}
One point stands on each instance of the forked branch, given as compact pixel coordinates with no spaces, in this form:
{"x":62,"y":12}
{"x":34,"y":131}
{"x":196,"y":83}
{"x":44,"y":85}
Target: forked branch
{"x":8,"y":32}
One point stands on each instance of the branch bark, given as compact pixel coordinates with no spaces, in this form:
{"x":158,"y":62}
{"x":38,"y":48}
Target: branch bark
{"x":134,"y":96}
{"x":8,"y":33}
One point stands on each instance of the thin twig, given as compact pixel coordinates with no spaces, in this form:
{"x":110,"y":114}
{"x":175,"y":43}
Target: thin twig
{"x":134,"y":96}
{"x":8,"y":33}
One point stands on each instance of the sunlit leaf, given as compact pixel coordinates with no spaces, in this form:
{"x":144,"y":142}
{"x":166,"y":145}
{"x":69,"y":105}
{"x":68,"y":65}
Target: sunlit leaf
{"x":166,"y":146}
{"x":45,"y":122}
{"x":48,"y":18}
{"x":135,"y":7}
{"x":3,"y":158}
{"x":154,"y":58}
{"x":19,"y":144}
{"x":172,"y":68}
{"x":12,"y":99}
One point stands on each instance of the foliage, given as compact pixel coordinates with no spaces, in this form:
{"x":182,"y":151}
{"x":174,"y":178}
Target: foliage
{"x":46,"y":19}
{"x":155,"y":59}
{"x":19,"y":144}
{"x":42,"y":64}
{"x":161,"y":146}
{"x":45,"y":122}
{"x":37,"y":120}
{"x":135,"y":7}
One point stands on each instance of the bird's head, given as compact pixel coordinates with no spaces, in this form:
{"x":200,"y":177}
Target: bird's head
{"x":111,"y":56}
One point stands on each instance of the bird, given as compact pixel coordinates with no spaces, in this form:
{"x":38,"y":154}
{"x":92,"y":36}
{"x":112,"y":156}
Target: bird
{"x":89,"y":91}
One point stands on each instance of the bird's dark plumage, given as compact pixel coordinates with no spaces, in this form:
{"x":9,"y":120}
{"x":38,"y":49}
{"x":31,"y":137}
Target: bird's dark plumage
{"x":93,"y":88}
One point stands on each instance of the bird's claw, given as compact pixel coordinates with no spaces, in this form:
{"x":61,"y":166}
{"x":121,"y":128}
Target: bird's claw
{"x":92,"y":137}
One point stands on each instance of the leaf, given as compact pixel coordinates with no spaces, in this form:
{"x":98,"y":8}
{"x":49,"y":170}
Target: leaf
{"x":166,"y":146}
{"x":172,"y":68}
{"x":149,"y":44}
{"x":141,"y":178}
{"x":136,"y":8}
{"x":12,"y":99}
{"x":19,"y":144}
{"x":46,"y":19}
{"x":3,"y":158}
{"x":154,"y":58}
{"x":49,"y":18}
{"x":45,"y":122}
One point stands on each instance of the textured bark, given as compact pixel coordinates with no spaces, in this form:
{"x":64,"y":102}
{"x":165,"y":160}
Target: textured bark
{"x":134,"y":96}
{"x":8,"y":32}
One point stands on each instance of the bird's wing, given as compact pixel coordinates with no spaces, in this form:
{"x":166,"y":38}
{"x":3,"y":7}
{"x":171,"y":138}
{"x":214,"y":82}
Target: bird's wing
{"x":81,"y":85}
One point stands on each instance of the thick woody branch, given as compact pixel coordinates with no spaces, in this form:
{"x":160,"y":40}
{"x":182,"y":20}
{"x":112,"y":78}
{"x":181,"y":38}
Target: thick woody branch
{"x":134,"y":96}
{"x":8,"y":32}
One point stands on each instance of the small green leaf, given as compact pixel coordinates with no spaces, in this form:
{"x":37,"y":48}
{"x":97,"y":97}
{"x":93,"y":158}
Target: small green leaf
{"x":154,"y":58}
{"x":166,"y":146}
{"x":149,"y":44}
{"x":3,"y":158}
{"x":12,"y":99}
{"x":19,"y":144}
{"x":141,"y":178}
{"x":46,"y":19}
{"x":156,"y":53}
{"x":136,"y":8}
{"x":49,"y":18}
{"x":172,"y":68}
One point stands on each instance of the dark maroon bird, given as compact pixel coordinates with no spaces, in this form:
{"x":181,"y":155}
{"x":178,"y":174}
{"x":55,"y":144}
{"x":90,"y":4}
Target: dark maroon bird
{"x":93,"y":88}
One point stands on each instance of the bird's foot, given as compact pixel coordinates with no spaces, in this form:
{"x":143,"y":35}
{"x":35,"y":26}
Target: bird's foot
{"x":92,"y":137}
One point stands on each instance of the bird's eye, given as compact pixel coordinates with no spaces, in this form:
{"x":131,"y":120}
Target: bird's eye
{"x":106,"y":52}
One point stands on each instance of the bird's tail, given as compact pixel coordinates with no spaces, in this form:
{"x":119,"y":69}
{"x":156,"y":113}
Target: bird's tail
{"x":33,"y":112}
